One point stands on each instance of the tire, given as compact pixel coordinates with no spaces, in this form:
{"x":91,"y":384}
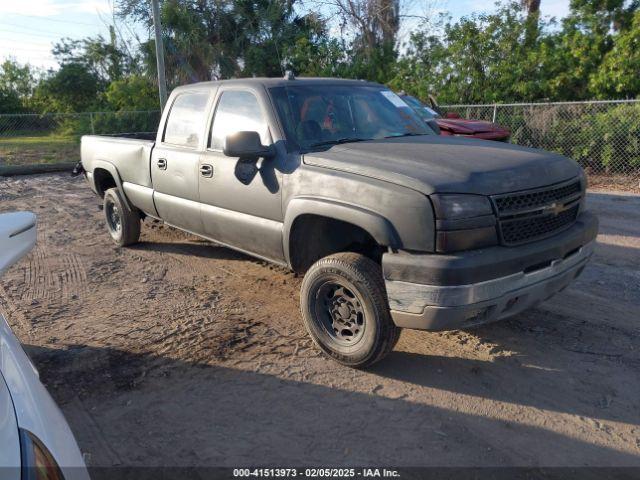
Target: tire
{"x":345,"y":310}
{"x":123,"y":224}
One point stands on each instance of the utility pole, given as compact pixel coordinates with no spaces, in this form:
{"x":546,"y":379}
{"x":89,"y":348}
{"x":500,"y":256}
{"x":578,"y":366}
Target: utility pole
{"x":162,"y":82}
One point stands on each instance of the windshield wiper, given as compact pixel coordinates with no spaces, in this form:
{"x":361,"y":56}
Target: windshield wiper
{"x":338,"y":141}
{"x":407,"y":135}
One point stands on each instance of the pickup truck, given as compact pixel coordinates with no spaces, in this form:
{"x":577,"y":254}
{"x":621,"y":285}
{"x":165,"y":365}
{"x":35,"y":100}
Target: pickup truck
{"x":392,"y":225}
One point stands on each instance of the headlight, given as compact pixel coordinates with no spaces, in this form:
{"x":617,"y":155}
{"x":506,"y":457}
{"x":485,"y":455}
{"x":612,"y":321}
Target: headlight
{"x":455,"y":206}
{"x":37,"y":461}
{"x":463,"y":222}
{"x":584,"y":183}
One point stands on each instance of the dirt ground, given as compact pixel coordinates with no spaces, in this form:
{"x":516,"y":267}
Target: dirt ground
{"x":181,"y":353}
{"x":629,"y":183}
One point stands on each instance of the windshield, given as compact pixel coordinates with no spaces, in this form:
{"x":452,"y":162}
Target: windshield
{"x":317,"y":115}
{"x":425,"y":112}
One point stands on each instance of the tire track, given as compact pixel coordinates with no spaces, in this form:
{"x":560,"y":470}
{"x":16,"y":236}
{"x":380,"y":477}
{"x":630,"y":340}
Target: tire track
{"x":9,"y":310}
{"x":53,"y":277}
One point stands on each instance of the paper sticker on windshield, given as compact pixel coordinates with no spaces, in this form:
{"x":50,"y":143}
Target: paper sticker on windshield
{"x":393,"y":98}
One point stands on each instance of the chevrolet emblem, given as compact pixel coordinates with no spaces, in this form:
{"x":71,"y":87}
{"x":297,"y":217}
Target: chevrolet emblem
{"x":554,"y":208}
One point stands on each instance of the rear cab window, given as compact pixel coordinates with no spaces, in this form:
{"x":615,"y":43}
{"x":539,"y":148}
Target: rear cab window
{"x":186,"y":119}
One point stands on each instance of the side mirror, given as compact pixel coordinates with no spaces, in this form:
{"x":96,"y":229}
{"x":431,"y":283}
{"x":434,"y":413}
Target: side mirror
{"x":452,"y":115}
{"x":246,"y":145}
{"x":17,"y":237}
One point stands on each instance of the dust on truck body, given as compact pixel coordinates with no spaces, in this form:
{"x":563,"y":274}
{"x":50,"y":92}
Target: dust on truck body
{"x":392,"y":226}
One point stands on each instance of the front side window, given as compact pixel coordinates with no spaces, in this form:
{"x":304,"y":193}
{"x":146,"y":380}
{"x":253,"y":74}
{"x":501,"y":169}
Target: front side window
{"x":237,"y":111}
{"x":186,"y":119}
{"x":319,"y":115}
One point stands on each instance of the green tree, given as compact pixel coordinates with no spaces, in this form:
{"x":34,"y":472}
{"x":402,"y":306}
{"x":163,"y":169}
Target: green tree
{"x":532,"y":21}
{"x":102,"y":58}
{"x":17,"y":83}
{"x":576,"y":52}
{"x":209,"y":39}
{"x":618,"y":76}
{"x":18,"y":78}
{"x":481,"y":58}
{"x":496,"y":57}
{"x":10,"y":102}
{"x":72,"y":88}
{"x":134,"y":92}
{"x":372,"y":29}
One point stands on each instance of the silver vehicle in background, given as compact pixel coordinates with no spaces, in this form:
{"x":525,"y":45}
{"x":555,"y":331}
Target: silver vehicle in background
{"x":35,"y":439}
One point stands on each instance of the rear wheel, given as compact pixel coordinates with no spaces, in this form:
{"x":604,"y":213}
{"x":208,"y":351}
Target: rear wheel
{"x":123,"y":224}
{"x":345,"y":309}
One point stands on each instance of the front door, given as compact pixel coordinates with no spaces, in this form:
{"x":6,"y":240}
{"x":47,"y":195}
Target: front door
{"x":175,"y":161}
{"x":241,"y":199}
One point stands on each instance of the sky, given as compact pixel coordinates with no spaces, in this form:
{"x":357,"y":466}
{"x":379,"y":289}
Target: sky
{"x":461,"y":8}
{"x":28,"y":28}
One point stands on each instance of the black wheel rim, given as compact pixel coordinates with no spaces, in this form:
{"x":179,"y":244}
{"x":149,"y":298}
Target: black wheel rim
{"x":114,"y":221}
{"x":340,"y":312}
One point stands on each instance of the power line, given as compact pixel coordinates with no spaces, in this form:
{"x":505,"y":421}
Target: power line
{"x":32,"y":34}
{"x":10,"y":39}
{"x":27,"y":49}
{"x":12,"y":25}
{"x":48,"y":19}
{"x":31,"y":58}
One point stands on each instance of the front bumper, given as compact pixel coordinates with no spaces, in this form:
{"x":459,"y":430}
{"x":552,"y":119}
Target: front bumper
{"x":485,"y":285}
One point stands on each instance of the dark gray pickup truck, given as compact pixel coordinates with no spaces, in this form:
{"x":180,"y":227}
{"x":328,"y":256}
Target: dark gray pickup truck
{"x":392,"y":226}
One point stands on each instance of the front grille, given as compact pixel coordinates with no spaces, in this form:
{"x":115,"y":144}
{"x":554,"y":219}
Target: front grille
{"x":534,"y":214}
{"x":525,"y":200}
{"x":521,"y":230}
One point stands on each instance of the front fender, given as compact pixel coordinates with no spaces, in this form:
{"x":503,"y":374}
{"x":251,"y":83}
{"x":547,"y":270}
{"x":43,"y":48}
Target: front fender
{"x":382,"y":231}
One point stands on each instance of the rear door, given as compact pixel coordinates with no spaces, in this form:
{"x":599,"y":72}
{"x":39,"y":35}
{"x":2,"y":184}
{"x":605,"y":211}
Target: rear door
{"x":241,"y":200}
{"x":175,"y":160}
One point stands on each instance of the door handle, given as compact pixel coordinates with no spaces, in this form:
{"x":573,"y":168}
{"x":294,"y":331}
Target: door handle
{"x":206,"y":170}
{"x":162,"y":163}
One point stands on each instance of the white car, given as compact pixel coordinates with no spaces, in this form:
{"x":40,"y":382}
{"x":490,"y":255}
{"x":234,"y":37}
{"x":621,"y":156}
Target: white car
{"x":35,"y":439}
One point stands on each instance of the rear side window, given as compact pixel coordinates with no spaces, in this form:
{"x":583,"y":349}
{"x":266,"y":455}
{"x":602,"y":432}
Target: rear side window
{"x":237,"y":111}
{"x":186,"y":119}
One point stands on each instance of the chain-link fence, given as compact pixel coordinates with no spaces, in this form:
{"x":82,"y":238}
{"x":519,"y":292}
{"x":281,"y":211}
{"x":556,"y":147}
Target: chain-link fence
{"x":55,"y":137}
{"x":603,"y":136}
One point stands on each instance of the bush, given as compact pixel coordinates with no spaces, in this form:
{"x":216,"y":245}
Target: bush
{"x":132,"y":93}
{"x":603,"y":138}
{"x":120,"y":122}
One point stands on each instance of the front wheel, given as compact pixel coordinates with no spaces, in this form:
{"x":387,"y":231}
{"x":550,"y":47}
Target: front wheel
{"x":345,"y":309}
{"x":123,"y":224}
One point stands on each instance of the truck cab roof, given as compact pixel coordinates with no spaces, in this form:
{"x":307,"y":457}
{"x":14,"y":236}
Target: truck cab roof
{"x":277,"y":82}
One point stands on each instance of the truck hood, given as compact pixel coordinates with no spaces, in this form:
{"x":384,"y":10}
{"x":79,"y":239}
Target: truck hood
{"x":431,"y":164}
{"x":467,"y":127}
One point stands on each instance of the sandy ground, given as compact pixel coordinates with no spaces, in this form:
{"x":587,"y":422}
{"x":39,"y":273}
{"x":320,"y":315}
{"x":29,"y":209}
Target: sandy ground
{"x":179,"y":353}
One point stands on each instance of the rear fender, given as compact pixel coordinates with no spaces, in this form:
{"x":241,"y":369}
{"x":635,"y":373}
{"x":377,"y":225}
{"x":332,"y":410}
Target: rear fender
{"x":111,"y":168}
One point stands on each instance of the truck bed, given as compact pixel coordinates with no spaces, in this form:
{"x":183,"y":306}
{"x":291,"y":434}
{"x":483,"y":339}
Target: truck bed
{"x":129,"y":153}
{"x":130,"y":136}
